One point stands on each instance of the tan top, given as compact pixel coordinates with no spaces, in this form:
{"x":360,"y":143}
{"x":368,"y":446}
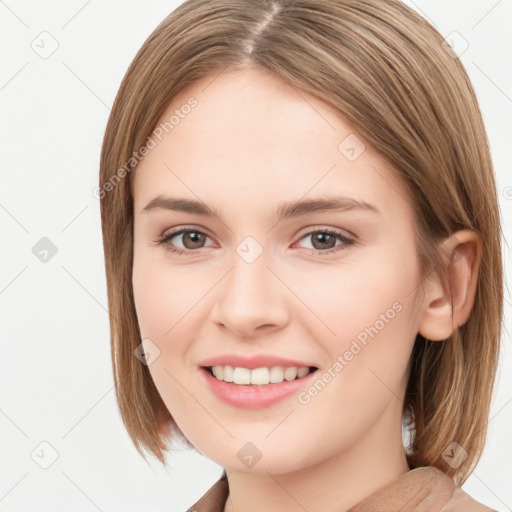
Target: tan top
{"x":425,"y":489}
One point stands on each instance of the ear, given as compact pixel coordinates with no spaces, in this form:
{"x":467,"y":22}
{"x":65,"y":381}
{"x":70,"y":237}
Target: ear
{"x":447,"y":304}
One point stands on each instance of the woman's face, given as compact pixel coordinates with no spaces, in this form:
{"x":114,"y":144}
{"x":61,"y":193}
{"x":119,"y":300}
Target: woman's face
{"x":336,"y":289}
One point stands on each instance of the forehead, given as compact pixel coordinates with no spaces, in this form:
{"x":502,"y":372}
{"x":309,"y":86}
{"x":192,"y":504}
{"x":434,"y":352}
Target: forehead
{"x":252,"y":136}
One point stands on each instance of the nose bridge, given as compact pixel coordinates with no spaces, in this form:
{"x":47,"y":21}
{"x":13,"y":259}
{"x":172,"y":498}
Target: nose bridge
{"x":249,"y":296}
{"x":248,"y":282}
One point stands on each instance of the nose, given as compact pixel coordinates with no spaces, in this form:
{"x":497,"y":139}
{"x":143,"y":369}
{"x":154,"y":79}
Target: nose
{"x":251,"y":299}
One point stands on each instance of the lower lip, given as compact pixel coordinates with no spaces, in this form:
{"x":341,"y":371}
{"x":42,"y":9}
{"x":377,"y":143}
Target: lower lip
{"x":254,"y":396}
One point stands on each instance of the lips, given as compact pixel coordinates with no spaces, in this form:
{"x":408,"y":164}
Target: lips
{"x":254,"y":397}
{"x":257,"y":395}
{"x":253,"y":362}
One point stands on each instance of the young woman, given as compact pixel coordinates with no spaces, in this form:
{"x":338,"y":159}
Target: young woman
{"x":303,"y":255}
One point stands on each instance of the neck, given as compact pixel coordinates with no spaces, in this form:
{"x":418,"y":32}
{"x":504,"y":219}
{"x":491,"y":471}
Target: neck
{"x":333,"y":485}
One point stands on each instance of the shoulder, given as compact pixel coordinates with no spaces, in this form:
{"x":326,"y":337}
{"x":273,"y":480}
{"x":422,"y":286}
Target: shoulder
{"x":448,"y":496}
{"x":460,"y":501}
{"x":215,"y":497}
{"x":421,"y":489}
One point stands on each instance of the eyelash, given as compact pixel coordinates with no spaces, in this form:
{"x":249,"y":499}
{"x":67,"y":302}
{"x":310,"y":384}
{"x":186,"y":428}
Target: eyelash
{"x":165,"y":240}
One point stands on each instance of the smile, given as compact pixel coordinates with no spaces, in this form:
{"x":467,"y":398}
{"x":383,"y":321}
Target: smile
{"x":259,"y":376}
{"x":260,"y":394}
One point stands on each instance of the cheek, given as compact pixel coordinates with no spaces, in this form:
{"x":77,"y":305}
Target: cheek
{"x":163,"y":296}
{"x":162,"y":299}
{"x":366,"y":371}
{"x":171,"y":308}
{"x":366,"y":319}
{"x":344,"y":300}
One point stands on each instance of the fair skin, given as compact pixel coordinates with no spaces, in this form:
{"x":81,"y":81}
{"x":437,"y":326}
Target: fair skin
{"x":252,"y":143}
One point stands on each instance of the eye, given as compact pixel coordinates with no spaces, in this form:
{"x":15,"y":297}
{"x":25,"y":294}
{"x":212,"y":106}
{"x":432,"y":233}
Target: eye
{"x":324,"y":240}
{"x":191,"y":239}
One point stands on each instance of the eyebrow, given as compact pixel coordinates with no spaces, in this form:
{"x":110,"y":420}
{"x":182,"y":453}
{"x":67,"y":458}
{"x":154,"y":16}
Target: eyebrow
{"x":285,"y":210}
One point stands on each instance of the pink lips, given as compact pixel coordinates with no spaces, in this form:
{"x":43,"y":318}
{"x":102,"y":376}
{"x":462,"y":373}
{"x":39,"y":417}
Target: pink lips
{"x":252,"y":362}
{"x":253,"y":396}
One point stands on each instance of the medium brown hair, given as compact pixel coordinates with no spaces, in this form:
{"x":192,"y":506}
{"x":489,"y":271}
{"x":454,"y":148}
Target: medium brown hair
{"x":386,"y":70}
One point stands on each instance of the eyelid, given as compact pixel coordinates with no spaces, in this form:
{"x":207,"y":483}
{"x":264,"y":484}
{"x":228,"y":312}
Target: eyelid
{"x":347,"y":239}
{"x":167,"y":235}
{"x":315,"y":228}
{"x":305,"y":231}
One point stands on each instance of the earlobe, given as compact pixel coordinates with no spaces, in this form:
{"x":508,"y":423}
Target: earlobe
{"x":448,"y":303}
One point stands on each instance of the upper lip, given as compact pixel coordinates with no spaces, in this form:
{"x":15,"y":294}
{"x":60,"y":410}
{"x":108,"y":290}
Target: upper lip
{"x":251,"y":362}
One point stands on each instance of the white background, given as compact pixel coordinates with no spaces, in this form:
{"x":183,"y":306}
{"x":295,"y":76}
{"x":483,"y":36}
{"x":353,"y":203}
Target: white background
{"x":55,"y":376}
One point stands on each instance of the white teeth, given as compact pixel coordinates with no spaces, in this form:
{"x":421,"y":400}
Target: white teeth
{"x":276,"y":374}
{"x":242,"y":376}
{"x":218,"y":372}
{"x":302,"y":371}
{"x":258,"y":376}
{"x":290,"y":373}
{"x":228,"y":373}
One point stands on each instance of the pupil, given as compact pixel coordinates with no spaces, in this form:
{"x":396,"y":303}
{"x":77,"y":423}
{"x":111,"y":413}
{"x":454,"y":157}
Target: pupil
{"x":195,"y":239}
{"x":324,"y":238}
